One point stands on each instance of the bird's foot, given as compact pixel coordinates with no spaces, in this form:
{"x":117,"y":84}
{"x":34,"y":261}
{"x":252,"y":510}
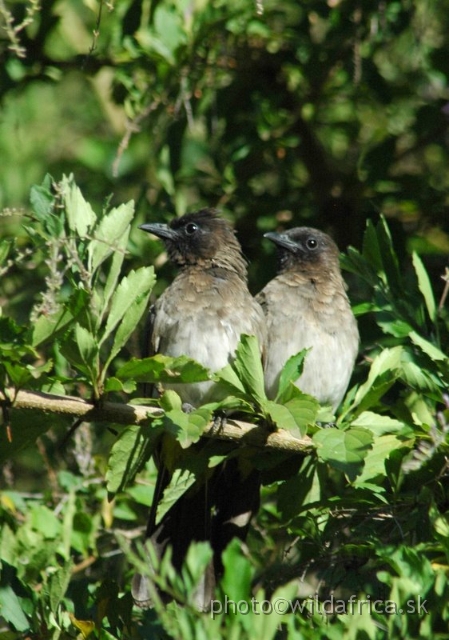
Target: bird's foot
{"x":187,"y":407}
{"x":327,"y":425}
{"x":220,"y":420}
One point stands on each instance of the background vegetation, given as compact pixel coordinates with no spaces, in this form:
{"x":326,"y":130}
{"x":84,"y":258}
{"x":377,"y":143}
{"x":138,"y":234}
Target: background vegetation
{"x":333,"y":115}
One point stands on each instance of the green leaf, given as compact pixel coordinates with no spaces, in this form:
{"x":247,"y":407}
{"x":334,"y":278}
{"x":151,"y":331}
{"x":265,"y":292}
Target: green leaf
{"x":236,"y":563}
{"x":230,"y":380}
{"x":199,"y":555}
{"x":161,"y":368}
{"x":291,"y":371}
{"x":48,"y":326}
{"x":371,"y":249}
{"x":358,"y":264}
{"x":374,"y":465}
{"x":424,"y":285}
{"x":58,"y":584}
{"x":383,"y":372}
{"x":427,"y":347}
{"x":129,"y":453}
{"x":170,"y":401}
{"x":378,"y":424}
{"x":389,"y":322}
{"x":44,"y":520}
{"x":169,"y":26}
{"x":114,"y":384}
{"x":248,"y":365}
{"x":26,"y":427}
{"x":5,"y":246}
{"x":295,"y":415}
{"x":187,"y":428}
{"x":344,"y":450}
{"x":114,"y":272}
{"x":80,"y":215}
{"x":18,"y":374}
{"x":11,"y":609}
{"x":110,"y":235}
{"x":127,"y":305}
{"x":181,"y":481}
{"x":389,"y":258}
{"x":87,"y":345}
{"x":417,"y":375}
{"x":42,"y":200}
{"x":296,"y":493}
{"x":230,"y":403}
{"x":128,"y":324}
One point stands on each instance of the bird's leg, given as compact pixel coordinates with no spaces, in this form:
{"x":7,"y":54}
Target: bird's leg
{"x":327,"y":425}
{"x":220,"y":420}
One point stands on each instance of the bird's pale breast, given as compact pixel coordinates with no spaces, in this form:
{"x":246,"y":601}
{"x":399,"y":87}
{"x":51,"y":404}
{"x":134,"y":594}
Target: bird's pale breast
{"x":298,"y":319}
{"x":206,"y":325}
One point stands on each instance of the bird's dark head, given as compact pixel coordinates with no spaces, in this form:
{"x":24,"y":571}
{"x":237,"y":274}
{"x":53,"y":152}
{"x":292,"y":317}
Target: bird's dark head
{"x":304,"y":248}
{"x":200,"y":238}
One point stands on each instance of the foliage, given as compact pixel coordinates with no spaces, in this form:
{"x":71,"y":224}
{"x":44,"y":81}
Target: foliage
{"x":362,"y":519}
{"x":278,"y":113}
{"x":272,"y":111}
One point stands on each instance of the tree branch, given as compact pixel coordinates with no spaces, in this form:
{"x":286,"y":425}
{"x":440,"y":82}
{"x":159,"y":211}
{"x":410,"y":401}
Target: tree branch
{"x":127,"y":414}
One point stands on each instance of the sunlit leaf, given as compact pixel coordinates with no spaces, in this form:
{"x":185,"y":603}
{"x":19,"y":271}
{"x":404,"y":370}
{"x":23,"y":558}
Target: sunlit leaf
{"x":114,"y":271}
{"x":128,"y":303}
{"x":86,"y":627}
{"x":344,"y":450}
{"x":236,"y":562}
{"x":427,"y":347}
{"x":187,"y":428}
{"x":87,"y":344}
{"x":12,"y":609}
{"x":424,"y":285}
{"x":294,"y":415}
{"x":291,"y":371}
{"x":248,"y":365}
{"x":383,"y":372}
{"x":377,"y":423}
{"x":230,"y":379}
{"x":374,"y":463}
{"x":162,"y":368}
{"x":110,"y":235}
{"x":80,"y":215}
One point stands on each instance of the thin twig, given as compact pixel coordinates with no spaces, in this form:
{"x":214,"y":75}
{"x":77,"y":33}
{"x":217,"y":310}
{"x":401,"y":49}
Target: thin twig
{"x":96,"y":35}
{"x":132,"y":126}
{"x":444,"y":277}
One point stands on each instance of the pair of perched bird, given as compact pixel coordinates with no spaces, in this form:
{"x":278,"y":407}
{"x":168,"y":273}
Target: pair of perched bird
{"x":202,"y":314}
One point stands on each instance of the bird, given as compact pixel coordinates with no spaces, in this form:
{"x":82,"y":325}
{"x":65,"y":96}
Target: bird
{"x":202,"y":314}
{"x":306,"y":307}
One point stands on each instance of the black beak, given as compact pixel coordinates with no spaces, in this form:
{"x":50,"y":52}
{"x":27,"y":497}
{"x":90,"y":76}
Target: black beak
{"x":282,"y":240}
{"x":159,"y":229}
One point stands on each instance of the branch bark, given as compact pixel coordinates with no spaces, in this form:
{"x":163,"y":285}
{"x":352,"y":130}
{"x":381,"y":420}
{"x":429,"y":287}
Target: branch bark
{"x":127,"y":414}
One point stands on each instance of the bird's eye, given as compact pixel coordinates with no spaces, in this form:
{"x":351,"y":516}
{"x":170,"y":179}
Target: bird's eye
{"x":191,"y":228}
{"x":312,"y":243}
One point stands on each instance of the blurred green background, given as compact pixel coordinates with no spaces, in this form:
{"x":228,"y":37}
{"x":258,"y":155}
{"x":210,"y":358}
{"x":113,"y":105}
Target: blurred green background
{"x":276,"y":112}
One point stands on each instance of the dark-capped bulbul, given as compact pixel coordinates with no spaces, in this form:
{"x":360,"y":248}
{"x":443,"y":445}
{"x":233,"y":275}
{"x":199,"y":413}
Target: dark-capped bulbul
{"x":306,"y":307}
{"x":202,"y":314}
